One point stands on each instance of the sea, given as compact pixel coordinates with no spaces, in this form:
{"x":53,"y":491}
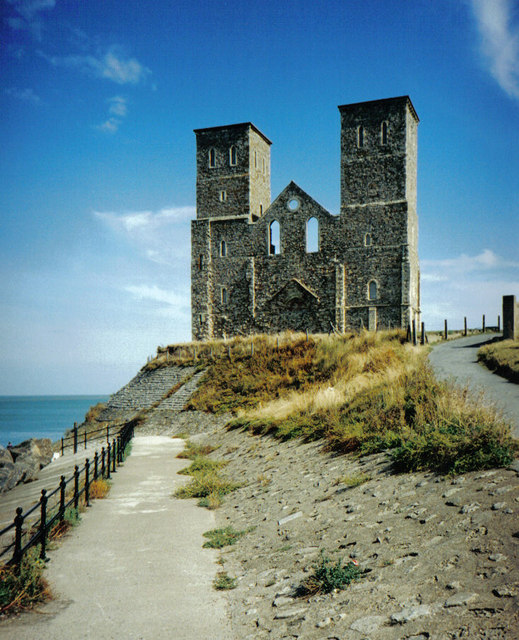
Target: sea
{"x":24,"y":417}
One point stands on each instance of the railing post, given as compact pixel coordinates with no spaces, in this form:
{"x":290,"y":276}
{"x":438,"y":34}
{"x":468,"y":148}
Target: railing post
{"x":414,"y":332}
{"x":85,"y":438}
{"x":43,"y":524}
{"x":422,"y":336}
{"x":62,"y":488}
{"x":483,"y":324}
{"x":62,"y":447}
{"x":108,"y":450}
{"x":75,"y":437}
{"x":18,"y":524}
{"x":96,"y":461}
{"x":114,"y":451}
{"x":107,"y":435}
{"x":87,"y":482}
{"x":445,"y":330}
{"x":465,"y":326}
{"x":76,"y":487}
{"x":103,"y":462}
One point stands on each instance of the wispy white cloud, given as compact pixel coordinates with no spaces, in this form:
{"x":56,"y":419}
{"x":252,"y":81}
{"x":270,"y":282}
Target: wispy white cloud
{"x":111,"y":65}
{"x":162,"y":236}
{"x":485,"y":260}
{"x":117,"y":109}
{"x":25,"y":95}
{"x":500,"y":41}
{"x":156,"y":294}
{"x":27,"y":15}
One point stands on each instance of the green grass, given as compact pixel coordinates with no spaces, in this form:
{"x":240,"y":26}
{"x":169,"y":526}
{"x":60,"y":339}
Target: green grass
{"x":202,"y":464}
{"x":218,"y":538}
{"x":193,"y":450}
{"x":355,"y":480}
{"x":502,"y":357}
{"x":329,"y":576}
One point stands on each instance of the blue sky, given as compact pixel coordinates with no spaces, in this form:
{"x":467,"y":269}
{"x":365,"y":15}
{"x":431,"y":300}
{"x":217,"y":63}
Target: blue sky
{"x":99,"y":100}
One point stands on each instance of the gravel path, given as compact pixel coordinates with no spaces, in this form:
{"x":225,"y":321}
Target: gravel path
{"x":458,"y":359}
{"x":135,"y":567}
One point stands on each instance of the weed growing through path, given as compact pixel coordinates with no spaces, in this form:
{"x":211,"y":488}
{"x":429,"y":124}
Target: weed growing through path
{"x":218,"y":538}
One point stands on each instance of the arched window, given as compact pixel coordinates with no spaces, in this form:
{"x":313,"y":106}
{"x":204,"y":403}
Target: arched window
{"x":367,"y":240}
{"x":383,"y":133}
{"x":212,"y":158}
{"x":312,"y":235}
{"x":232,"y":156}
{"x":360,"y":136}
{"x":274,"y":238}
{"x":223,"y":249}
{"x":224,"y":295}
{"x":372,"y":290}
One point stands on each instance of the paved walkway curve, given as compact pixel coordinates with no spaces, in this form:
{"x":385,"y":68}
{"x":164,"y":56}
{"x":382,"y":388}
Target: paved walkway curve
{"x":458,"y":359}
{"x":134,"y":568}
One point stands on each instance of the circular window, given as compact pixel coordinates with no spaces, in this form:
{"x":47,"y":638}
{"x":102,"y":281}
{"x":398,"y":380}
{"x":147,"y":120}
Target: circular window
{"x":293,"y":204}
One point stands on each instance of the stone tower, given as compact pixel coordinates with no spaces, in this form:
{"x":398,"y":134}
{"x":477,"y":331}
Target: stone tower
{"x":259,"y":266}
{"x":378,"y":207}
{"x":232,"y":190}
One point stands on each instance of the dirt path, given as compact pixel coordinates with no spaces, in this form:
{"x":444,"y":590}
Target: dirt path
{"x":458,"y":359}
{"x":135,"y":567}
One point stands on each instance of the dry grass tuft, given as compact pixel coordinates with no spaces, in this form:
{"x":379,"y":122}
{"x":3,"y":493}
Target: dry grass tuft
{"x":502,"y":357}
{"x":99,"y":489}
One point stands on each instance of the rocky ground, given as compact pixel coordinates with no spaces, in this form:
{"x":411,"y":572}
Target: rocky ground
{"x":441,"y":553}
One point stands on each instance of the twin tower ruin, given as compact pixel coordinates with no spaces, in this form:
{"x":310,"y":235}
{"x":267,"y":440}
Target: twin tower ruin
{"x":262,"y":267}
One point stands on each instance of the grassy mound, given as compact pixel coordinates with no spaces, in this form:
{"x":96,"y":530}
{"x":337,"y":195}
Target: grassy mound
{"x":362,"y":393}
{"x":502,"y":358}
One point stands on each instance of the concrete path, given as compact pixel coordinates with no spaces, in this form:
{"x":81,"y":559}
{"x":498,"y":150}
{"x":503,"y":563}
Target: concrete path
{"x":458,"y":359}
{"x":134,"y":568}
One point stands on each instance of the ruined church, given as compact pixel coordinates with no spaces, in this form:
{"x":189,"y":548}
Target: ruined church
{"x":262,"y":267}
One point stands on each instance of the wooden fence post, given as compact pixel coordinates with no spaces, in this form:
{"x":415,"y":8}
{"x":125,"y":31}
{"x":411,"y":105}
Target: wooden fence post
{"x":445,"y":330}
{"x":465,"y":326}
{"x":422,"y":336}
{"x":483,"y":324}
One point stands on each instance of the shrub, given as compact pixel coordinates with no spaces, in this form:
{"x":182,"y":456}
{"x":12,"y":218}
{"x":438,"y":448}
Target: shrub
{"x":20,"y":589}
{"x":99,"y":488}
{"x":211,"y":502}
{"x":224,"y":582}
{"x":502,"y":357}
{"x":328,"y":576}
{"x":218,"y":538}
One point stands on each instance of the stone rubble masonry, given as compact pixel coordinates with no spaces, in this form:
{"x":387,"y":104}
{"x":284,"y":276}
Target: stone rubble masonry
{"x":510,"y":318}
{"x":365,"y":271}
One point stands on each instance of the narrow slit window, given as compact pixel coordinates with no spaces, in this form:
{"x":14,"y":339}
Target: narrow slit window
{"x":261,"y":209}
{"x":212,"y":158}
{"x":274,"y":238}
{"x":223,"y":249}
{"x":223,"y":196}
{"x":255,"y":160}
{"x":372,"y":290}
{"x":200,"y":261}
{"x":383,"y":133}
{"x":264,"y":166}
{"x":368,"y":240}
{"x":232,"y":156}
{"x":312,"y":235}
{"x":224,"y":295}
{"x":360,"y":136}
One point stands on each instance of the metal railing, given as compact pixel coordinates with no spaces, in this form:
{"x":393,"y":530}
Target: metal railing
{"x":27,"y":532}
{"x":85,"y":437}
